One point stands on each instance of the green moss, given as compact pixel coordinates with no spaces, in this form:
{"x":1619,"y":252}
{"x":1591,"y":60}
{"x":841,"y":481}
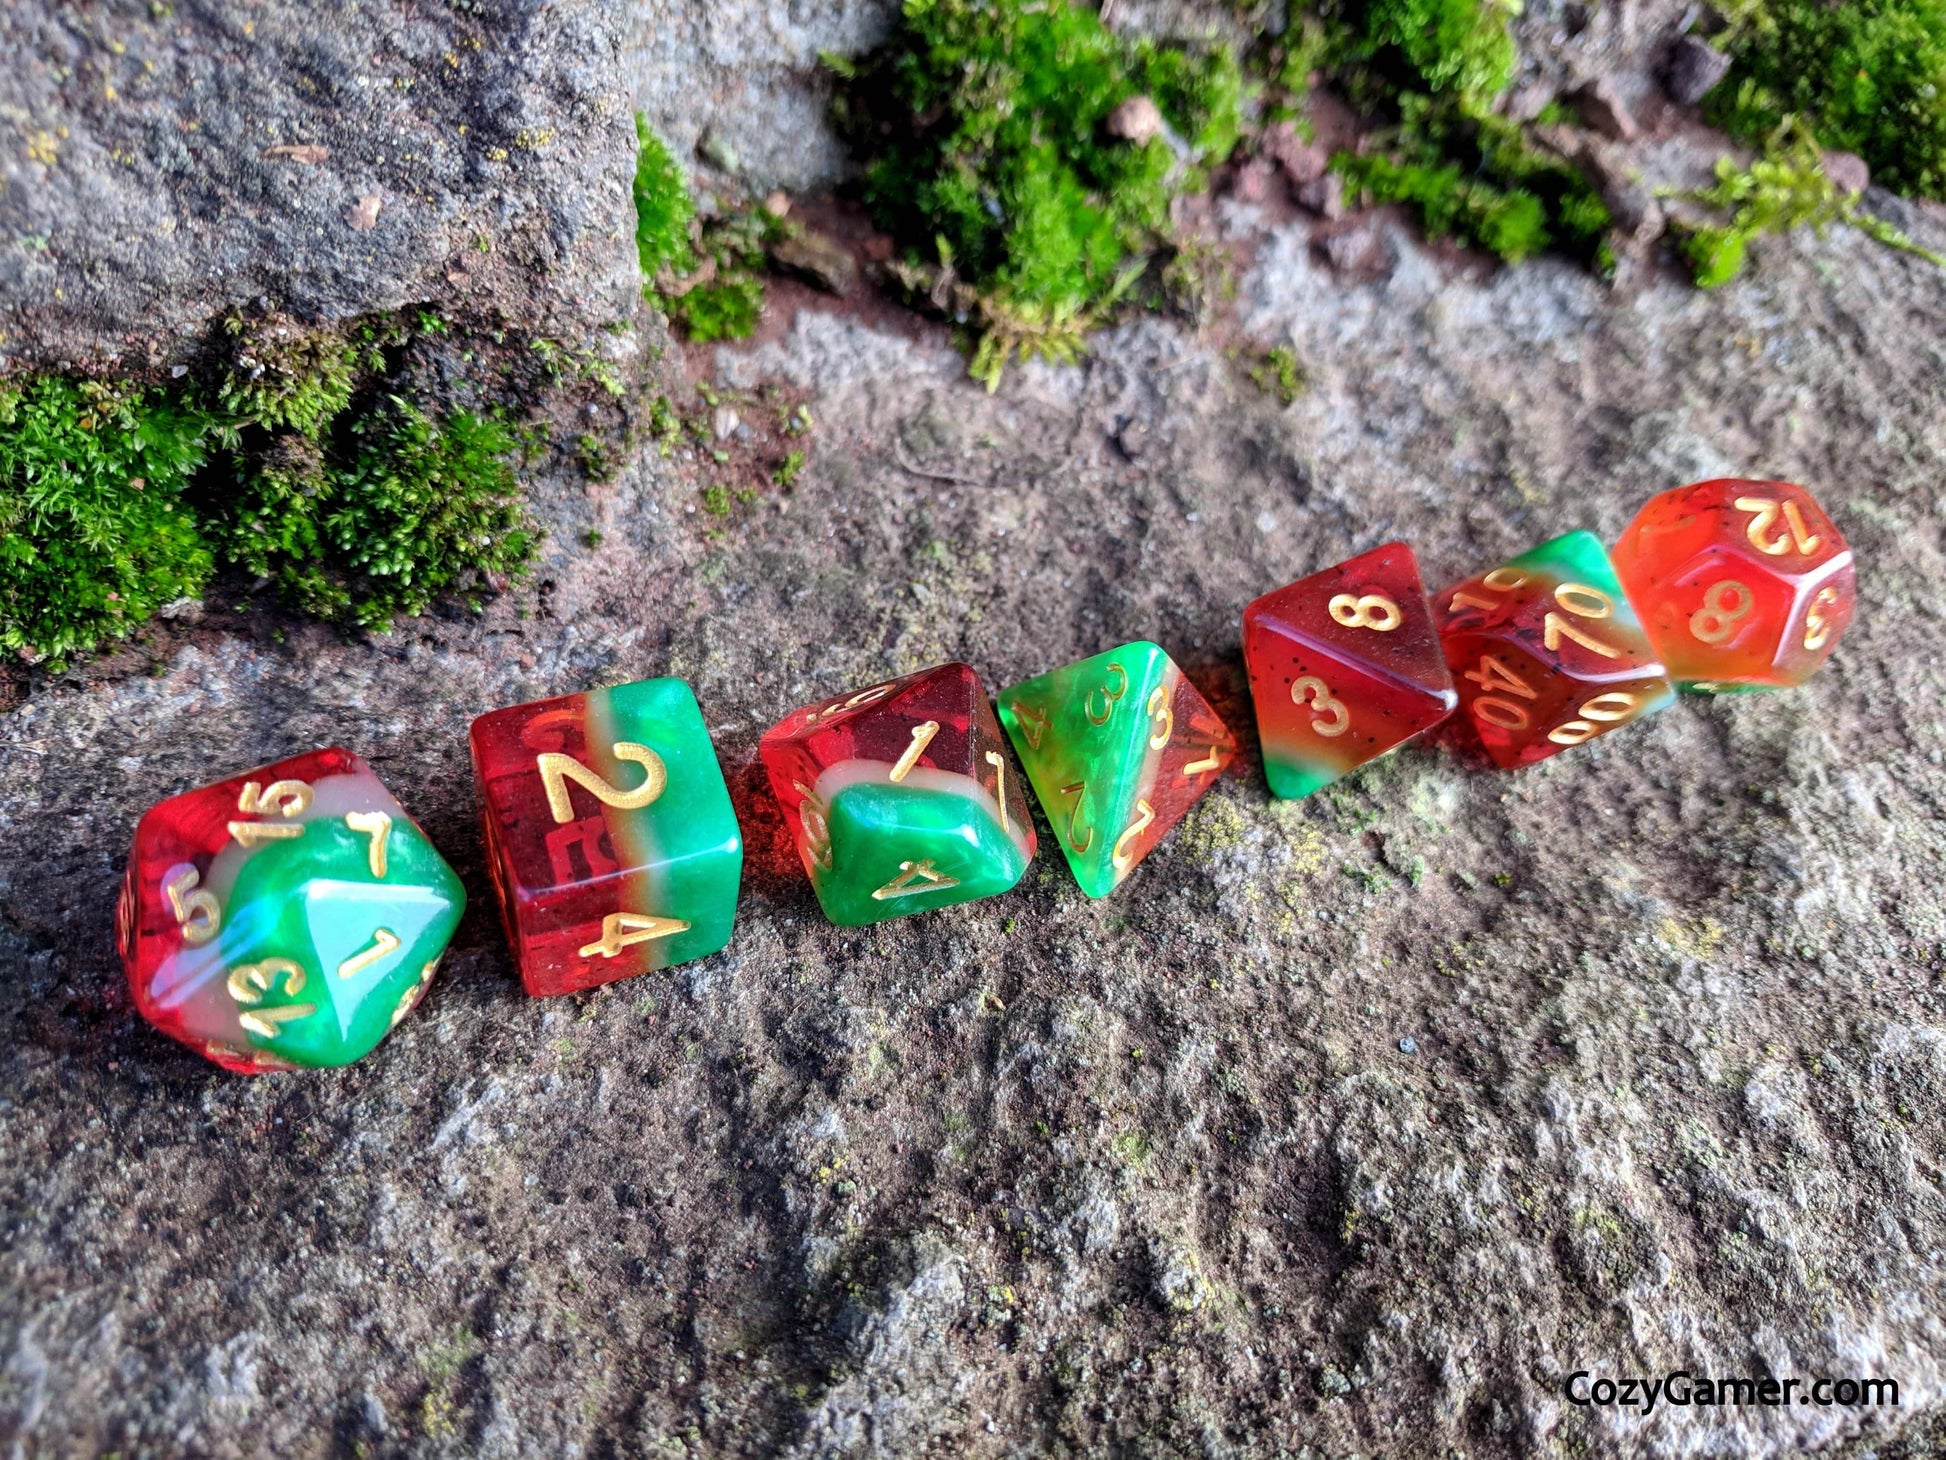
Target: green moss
{"x":724,"y":256}
{"x":723,"y":311}
{"x":282,"y":378}
{"x":1785,"y":188}
{"x":1478,"y":180}
{"x":1279,"y":373}
{"x":1461,"y":49}
{"x":662,"y":207}
{"x":1437,"y":66}
{"x":94,"y":534}
{"x":1869,"y":76}
{"x":422,"y":507}
{"x":984,"y":130}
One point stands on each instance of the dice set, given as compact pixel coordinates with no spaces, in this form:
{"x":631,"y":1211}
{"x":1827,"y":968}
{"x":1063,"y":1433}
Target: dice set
{"x":291,"y":916}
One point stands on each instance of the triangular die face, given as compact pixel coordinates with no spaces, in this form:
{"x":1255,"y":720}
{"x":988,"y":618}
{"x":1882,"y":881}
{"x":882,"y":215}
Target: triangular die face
{"x":1118,"y":747}
{"x":1372,"y":608}
{"x":1322,"y":714}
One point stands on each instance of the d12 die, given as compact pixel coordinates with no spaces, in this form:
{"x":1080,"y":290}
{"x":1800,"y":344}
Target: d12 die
{"x":287,"y":917}
{"x":899,"y":797}
{"x":1546,"y":652}
{"x":1118,"y":747}
{"x":1739,"y":583}
{"x":610,"y":833}
{"x":1344,"y":666}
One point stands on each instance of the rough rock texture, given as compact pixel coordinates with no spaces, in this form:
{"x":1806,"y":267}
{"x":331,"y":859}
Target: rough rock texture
{"x":162,"y":165}
{"x":1154,"y":1175}
{"x":745,"y":80}
{"x":1038,"y":1173}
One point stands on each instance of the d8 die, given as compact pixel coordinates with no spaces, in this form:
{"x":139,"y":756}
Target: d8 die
{"x":609,"y":831}
{"x":287,"y":917}
{"x":1739,"y":583}
{"x":1546,"y":652}
{"x":899,"y":797}
{"x":1344,"y":666}
{"x":1118,"y":748}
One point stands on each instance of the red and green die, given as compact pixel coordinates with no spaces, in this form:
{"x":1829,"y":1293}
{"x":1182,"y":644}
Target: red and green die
{"x":1118,"y":747}
{"x":1740,"y":584}
{"x":1345,"y":665}
{"x":1546,"y":652}
{"x":899,"y":796}
{"x":287,"y":917}
{"x":610,"y":834}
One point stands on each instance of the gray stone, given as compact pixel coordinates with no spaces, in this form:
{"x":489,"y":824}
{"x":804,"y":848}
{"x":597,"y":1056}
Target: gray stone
{"x":1848,"y":172}
{"x":1693,"y":70}
{"x":1601,"y":106}
{"x":166,"y":165}
{"x":817,"y":259}
{"x":1044,"y":1174}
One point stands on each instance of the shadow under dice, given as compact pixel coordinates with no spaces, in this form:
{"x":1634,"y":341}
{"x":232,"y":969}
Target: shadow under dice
{"x":900,"y":798}
{"x":1345,"y":665}
{"x":1739,"y":583}
{"x":610,"y":834}
{"x":1546,"y":652}
{"x":284,"y":918}
{"x":1118,"y":748}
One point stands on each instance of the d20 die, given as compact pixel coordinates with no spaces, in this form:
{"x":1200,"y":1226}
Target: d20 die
{"x":287,"y":917}
{"x":1739,"y":583}
{"x":1345,"y":665}
{"x":1546,"y":652}
{"x":610,"y":833}
{"x":1118,"y":747}
{"x":899,"y":797}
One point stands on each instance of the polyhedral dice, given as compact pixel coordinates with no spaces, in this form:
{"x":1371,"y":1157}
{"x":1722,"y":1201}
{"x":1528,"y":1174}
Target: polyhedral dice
{"x":1344,"y":666}
{"x":1744,"y":584}
{"x":1546,"y":652}
{"x":1118,"y":748}
{"x":899,"y":797}
{"x":609,"y":831}
{"x":287,"y":917}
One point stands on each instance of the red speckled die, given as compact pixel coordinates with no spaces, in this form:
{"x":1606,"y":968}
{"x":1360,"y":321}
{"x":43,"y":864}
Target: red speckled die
{"x":1344,"y":666}
{"x":1738,"y":583}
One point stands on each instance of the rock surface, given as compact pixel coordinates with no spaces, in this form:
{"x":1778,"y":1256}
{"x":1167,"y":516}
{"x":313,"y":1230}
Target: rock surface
{"x":161,"y":166}
{"x":1349,"y":1126}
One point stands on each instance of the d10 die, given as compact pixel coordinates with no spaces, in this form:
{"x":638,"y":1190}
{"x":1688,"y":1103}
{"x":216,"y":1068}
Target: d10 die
{"x":1546,"y":652}
{"x":899,"y":797}
{"x":1118,"y":747}
{"x":609,"y":830}
{"x":1344,"y":666}
{"x":1739,"y":583}
{"x":287,"y":917}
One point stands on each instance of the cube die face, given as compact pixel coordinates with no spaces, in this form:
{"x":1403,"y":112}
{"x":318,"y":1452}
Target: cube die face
{"x":1118,"y":747}
{"x":610,"y":833}
{"x":1546,"y":652}
{"x":287,"y":917}
{"x":899,"y":797}
{"x":1739,"y":583}
{"x":1345,"y":665}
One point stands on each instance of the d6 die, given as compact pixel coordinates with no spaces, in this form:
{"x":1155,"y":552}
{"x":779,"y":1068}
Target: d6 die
{"x":1118,"y":747}
{"x":612,"y":841}
{"x":1739,"y":583}
{"x":287,"y":917}
{"x":899,"y":797}
{"x":1344,"y":666}
{"x":1546,"y":652}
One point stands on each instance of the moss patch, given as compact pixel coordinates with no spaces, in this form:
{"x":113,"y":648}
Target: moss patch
{"x":1020,"y":148}
{"x":94,"y":532}
{"x":1436,"y":67}
{"x":298,"y":461}
{"x":706,"y":275}
{"x":1868,"y":75}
